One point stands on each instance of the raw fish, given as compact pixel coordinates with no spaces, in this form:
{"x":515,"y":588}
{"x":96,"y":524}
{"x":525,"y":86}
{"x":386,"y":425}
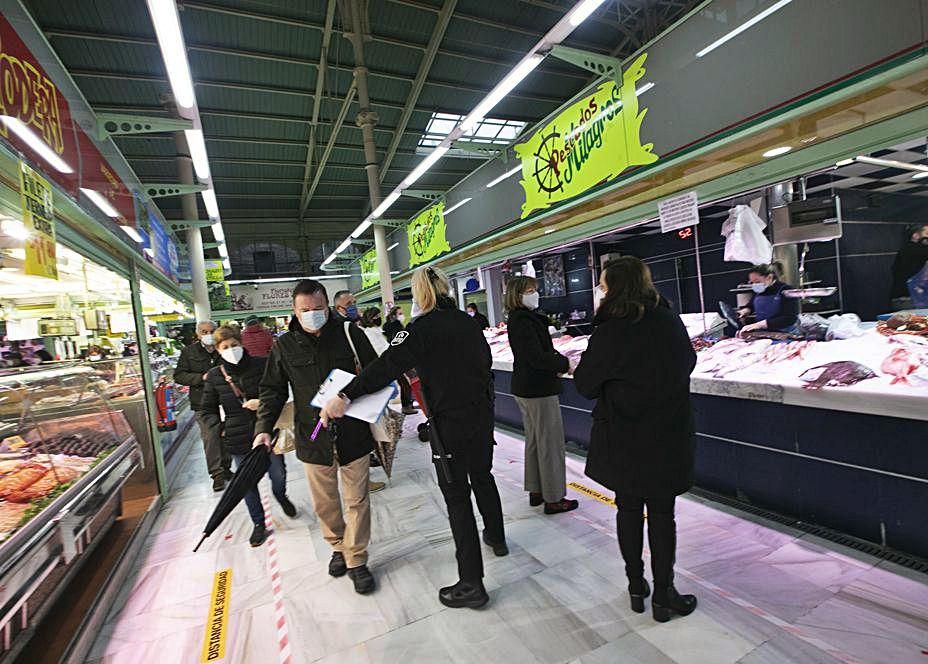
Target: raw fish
{"x":835,"y":374}
{"x":899,"y":364}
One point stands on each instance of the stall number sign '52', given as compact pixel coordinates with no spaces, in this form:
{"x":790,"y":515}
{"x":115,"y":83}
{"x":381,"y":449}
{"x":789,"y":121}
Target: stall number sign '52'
{"x":590,"y":142}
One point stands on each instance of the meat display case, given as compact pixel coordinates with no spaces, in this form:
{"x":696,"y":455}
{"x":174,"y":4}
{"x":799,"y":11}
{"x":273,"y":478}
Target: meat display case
{"x":65,"y":454}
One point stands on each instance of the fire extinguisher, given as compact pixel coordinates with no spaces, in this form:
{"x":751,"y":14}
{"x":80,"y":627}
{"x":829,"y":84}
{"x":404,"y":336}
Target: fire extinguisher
{"x":164,"y":399}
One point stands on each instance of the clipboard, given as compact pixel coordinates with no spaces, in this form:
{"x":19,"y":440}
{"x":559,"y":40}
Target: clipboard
{"x":368,"y":408}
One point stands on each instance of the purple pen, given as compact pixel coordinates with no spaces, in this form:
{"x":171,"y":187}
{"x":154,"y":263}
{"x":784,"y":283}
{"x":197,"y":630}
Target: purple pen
{"x":316,"y":430}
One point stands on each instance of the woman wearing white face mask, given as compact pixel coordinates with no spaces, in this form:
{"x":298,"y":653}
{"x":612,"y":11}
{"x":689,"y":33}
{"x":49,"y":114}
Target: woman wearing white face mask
{"x":771,"y":309}
{"x":230,"y":402}
{"x":536,"y":387}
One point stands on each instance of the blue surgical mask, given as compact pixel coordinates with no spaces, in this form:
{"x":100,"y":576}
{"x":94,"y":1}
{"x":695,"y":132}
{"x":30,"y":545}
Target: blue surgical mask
{"x":758,"y":288}
{"x":313,"y":321}
{"x":351,"y":312}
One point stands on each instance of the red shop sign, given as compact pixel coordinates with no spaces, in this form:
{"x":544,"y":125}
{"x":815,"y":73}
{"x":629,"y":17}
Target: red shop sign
{"x":97,"y":174}
{"x":29,"y":96}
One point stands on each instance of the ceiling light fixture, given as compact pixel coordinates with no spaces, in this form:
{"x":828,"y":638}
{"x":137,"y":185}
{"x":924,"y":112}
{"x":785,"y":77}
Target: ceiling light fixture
{"x":583,"y":10}
{"x":131,"y":232}
{"x":386,"y":203}
{"x":504,"y":176}
{"x":344,"y":245}
{"x":503,"y":88}
{"x":744,"y":26}
{"x":209,"y":200}
{"x":776,"y":152}
{"x":919,"y":176}
{"x":845,"y":162}
{"x":456,"y":206}
{"x":35,"y":143}
{"x":892,"y":163}
{"x":171,"y":41}
{"x":100,"y":201}
{"x":363,"y":226}
{"x":393,"y":246}
{"x":149,"y":251}
{"x":218,"y":234}
{"x":197,"y":147}
{"x":423,"y":166}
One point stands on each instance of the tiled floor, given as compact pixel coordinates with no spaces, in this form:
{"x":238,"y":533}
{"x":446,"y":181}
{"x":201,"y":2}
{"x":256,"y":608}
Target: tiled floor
{"x":768,"y":595}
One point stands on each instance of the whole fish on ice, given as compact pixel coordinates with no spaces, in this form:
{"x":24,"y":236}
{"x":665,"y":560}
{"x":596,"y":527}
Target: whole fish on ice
{"x":835,"y":374}
{"x":900,"y":364}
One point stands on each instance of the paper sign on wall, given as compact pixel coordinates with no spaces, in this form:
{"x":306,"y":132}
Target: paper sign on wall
{"x":679,"y":212}
{"x":39,"y":219}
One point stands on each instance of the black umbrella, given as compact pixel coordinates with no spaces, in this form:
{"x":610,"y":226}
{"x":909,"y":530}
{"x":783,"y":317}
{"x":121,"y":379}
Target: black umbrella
{"x":246,"y":478}
{"x":440,"y":455}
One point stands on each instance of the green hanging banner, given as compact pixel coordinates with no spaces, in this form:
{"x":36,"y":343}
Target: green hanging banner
{"x":589,"y":142}
{"x":426,"y":235}
{"x":370,"y":274}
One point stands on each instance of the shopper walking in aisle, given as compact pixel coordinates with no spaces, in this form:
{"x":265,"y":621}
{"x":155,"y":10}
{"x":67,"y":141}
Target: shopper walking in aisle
{"x":909,"y":261}
{"x":536,"y":387}
{"x":337,"y":462}
{"x":230,"y":402}
{"x":194,"y":362}
{"x":453,"y":360}
{"x":391,"y":328}
{"x":637,"y":367}
{"x":256,"y":339}
{"x":346,"y":306}
{"x":481,"y":320}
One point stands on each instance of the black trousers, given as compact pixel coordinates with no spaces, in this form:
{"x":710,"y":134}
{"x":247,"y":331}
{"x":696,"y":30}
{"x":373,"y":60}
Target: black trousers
{"x":662,"y":536}
{"x":405,"y":392}
{"x":470,"y":466}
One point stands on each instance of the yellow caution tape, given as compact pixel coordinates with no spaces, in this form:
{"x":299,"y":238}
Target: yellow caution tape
{"x":591,"y":493}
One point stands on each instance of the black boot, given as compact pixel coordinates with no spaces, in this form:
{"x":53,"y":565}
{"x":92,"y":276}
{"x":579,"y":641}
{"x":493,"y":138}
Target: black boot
{"x":630,"y":531}
{"x":463,"y":595}
{"x":638,"y":590}
{"x":288,"y":507}
{"x":499,"y":548}
{"x":337,"y":565}
{"x":667,"y":601}
{"x":258,"y":535}
{"x":363,"y":580}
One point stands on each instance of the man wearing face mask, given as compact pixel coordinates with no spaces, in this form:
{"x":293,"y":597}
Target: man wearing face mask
{"x":337,"y":462}
{"x":536,"y":387}
{"x":910,"y":259}
{"x":346,"y":307}
{"x":194,"y":363}
{"x":230,"y":399}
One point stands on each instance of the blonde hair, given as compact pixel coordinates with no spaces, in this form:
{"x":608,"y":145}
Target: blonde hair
{"x":428,"y":285}
{"x":227,"y":332}
{"x":515,"y":289}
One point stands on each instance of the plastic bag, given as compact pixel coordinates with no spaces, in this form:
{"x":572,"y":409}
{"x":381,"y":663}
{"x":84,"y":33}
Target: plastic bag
{"x":746,"y":240}
{"x":843,"y":326}
{"x":918,"y":288}
{"x":813,"y":326}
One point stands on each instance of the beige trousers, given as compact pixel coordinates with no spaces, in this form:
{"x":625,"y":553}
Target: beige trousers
{"x":348,"y":532}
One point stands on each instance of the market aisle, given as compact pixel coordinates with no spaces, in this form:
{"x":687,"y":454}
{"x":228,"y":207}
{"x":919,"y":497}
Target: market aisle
{"x":767,"y":594}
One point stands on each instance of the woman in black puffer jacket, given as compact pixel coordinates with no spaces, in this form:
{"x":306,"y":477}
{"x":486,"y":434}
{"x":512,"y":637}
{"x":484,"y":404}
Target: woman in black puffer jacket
{"x":234,"y":385}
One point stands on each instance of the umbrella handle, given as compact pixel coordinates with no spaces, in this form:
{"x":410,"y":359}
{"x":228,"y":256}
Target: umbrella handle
{"x":202,"y":539}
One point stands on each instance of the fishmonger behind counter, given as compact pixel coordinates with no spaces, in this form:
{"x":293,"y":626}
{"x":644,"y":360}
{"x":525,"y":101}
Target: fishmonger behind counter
{"x":771,"y":309}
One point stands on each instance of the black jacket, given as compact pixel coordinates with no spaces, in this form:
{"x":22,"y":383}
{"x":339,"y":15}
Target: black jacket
{"x":391,"y":328}
{"x":639,"y":375}
{"x":535,"y":362}
{"x":238,"y":429}
{"x":482,"y":321}
{"x":303,"y":361}
{"x":451,"y":356}
{"x":194,"y":361}
{"x":910,"y":259}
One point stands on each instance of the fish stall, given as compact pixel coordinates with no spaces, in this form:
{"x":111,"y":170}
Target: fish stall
{"x":831,"y":432}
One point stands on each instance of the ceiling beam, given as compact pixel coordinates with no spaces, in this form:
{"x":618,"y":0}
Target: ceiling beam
{"x":438,"y":33}
{"x":339,"y":121}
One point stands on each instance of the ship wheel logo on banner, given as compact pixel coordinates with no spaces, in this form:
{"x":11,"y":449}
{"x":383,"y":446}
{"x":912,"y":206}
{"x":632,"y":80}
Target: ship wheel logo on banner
{"x":547,"y":173}
{"x":420,"y":241}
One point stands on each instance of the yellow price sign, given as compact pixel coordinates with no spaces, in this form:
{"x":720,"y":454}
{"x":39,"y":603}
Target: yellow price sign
{"x":39,"y":220}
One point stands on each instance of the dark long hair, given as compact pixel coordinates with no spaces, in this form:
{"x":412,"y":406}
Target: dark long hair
{"x":774,"y":270}
{"x":629,"y":289}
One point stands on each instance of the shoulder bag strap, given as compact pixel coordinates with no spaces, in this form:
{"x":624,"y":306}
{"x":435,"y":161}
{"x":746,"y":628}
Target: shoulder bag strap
{"x":354,"y":351}
{"x":235,"y":389}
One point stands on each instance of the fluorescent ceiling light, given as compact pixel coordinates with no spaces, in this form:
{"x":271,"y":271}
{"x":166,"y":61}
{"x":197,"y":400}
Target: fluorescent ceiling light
{"x":386,"y":203}
{"x":171,"y":40}
{"x":644,"y":88}
{"x":582,"y":11}
{"x":223,"y":251}
{"x":919,"y":176}
{"x":892,"y":163}
{"x":149,"y":251}
{"x":549,"y":231}
{"x":209,"y":200}
{"x":845,"y":162}
{"x":393,"y":246}
{"x":344,"y":245}
{"x":131,"y":232}
{"x":15,"y":229}
{"x":744,"y":26}
{"x":218,"y":233}
{"x":456,"y":206}
{"x":502,"y":89}
{"x":420,"y":170}
{"x":100,"y":201}
{"x":507,"y":174}
{"x":363,"y":226}
{"x":197,"y":147}
{"x":38,"y":146}
{"x":776,"y":152}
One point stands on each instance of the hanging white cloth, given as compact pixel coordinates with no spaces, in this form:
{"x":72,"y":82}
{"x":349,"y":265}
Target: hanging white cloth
{"x":746,"y":241}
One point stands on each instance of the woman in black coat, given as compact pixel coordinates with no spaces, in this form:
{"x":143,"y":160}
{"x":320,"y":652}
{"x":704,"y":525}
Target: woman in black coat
{"x":233,"y":385}
{"x":637,"y":368}
{"x":536,"y":387}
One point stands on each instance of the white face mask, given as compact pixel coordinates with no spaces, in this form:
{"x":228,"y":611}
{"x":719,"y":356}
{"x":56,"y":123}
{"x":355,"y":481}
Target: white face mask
{"x":598,"y":295}
{"x":208,"y":339}
{"x":232,"y":355}
{"x":313,"y":321}
{"x":531,"y":300}
{"x":416,"y":311}
{"x":400,"y":317}
{"x":471,"y":313}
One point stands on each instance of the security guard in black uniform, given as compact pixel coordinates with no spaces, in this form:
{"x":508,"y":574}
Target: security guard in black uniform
{"x":453,"y":361}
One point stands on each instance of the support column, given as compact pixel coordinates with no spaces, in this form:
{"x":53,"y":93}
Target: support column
{"x":194,"y":238}
{"x":367,"y":120}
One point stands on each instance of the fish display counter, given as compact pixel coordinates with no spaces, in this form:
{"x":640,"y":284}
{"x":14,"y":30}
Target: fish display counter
{"x":826,"y":432}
